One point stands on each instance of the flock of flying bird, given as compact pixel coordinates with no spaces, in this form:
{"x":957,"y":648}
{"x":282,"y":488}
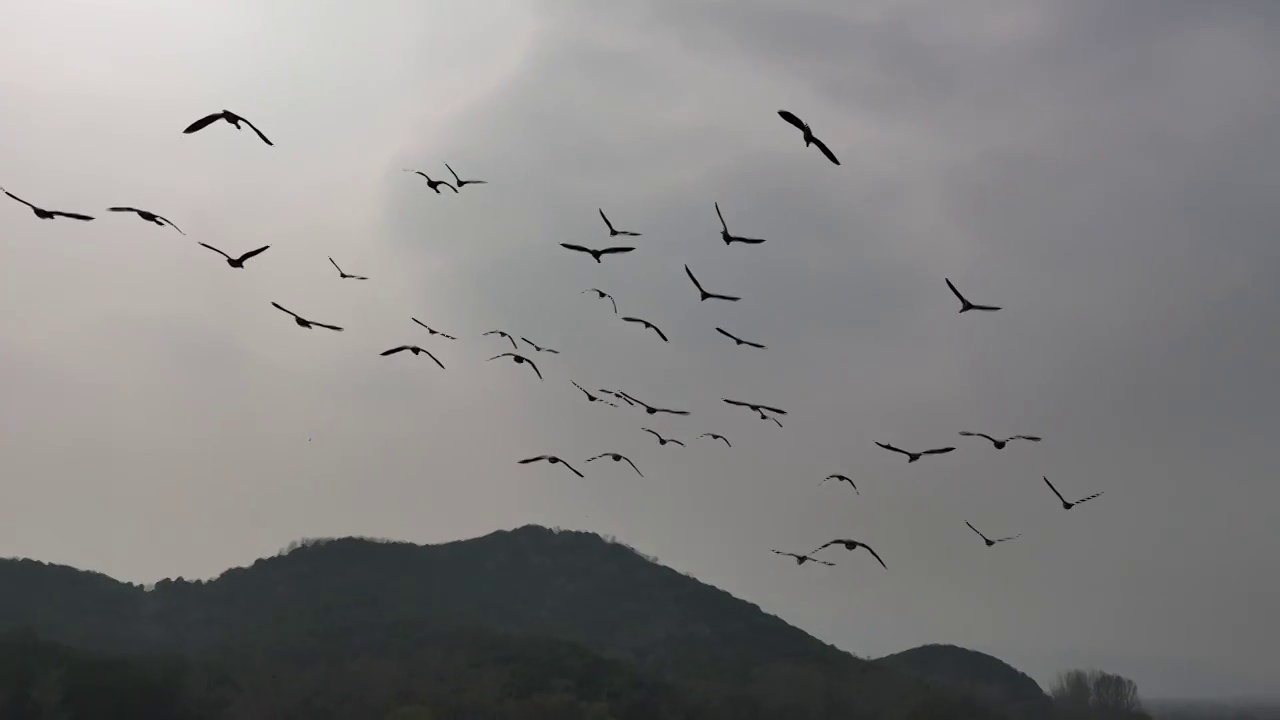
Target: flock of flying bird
{"x":764,"y":412}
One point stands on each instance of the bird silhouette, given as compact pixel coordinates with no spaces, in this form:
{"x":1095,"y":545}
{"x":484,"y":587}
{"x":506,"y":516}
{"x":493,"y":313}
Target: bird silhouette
{"x":809,"y":137}
{"x":413,"y":349}
{"x":1068,"y":505}
{"x":617,"y":457}
{"x":231,"y":118}
{"x":854,"y":545}
{"x":758,"y":408}
{"x":647,"y":324}
{"x":841,"y":478}
{"x":345,"y":275}
{"x":988,"y":540}
{"x":707,"y":295}
{"x":802,"y":559}
{"x":602,"y":295}
{"x":1000,"y":443}
{"x":148,"y":216}
{"x":239,"y":261}
{"x":716,"y":436}
{"x":620,"y":395}
{"x":463,"y":183}
{"x":662,"y":440}
{"x":615,"y":233}
{"x":592,"y":398}
{"x":538,"y":347}
{"x":501,"y":333}
{"x":730,"y":239}
{"x":303,"y":322}
{"x":551,"y":459}
{"x":47,"y":214}
{"x":520,"y":360}
{"x":914,"y":456}
{"x":433,"y":331}
{"x":597,"y":254}
{"x":737,"y":340}
{"x":433,"y":184}
{"x":965,"y":305}
{"x":654,"y":410}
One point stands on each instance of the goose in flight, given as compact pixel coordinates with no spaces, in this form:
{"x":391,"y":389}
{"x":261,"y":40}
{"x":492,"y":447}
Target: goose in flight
{"x":597,"y":254}
{"x":654,"y":410}
{"x":809,"y":137}
{"x":854,"y":545}
{"x":716,"y":436}
{"x":841,"y":478}
{"x":602,"y":295}
{"x":1000,"y":443}
{"x":413,"y":349}
{"x":303,"y":322}
{"x":737,"y":340}
{"x":432,"y":331}
{"x":965,"y":305}
{"x":707,"y":295}
{"x":593,"y":398}
{"x":731,"y":239}
{"x":615,"y":233}
{"x":148,"y":216}
{"x":647,"y":324}
{"x":802,"y":559}
{"x":433,"y":184}
{"x":914,"y":456}
{"x":617,"y":457}
{"x":538,"y":347}
{"x":1068,"y":505}
{"x":500,"y":333}
{"x":463,"y":183}
{"x":551,"y":459}
{"x":520,"y":360}
{"x":758,"y":408}
{"x":988,"y":540}
{"x":662,"y":440}
{"x":345,"y":275}
{"x":236,"y":262}
{"x":47,"y":214}
{"x":230,"y":117}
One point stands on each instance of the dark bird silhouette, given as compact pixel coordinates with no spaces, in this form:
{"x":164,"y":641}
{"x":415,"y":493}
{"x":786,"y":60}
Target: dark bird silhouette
{"x":758,"y":408}
{"x":303,"y":322}
{"x":345,"y":275}
{"x":914,"y":456}
{"x":538,"y":347}
{"x":620,"y":395}
{"x":433,"y":331}
{"x":965,"y":305}
{"x":1068,"y":505}
{"x":230,"y":117}
{"x":1000,"y":443}
{"x":654,"y":410}
{"x":716,"y":436}
{"x":647,"y":324}
{"x":551,"y":459}
{"x":663,"y":440}
{"x":593,"y":398}
{"x":433,"y":184}
{"x":520,"y":360}
{"x":854,"y":545}
{"x":47,"y":214}
{"x":988,"y":540}
{"x":597,"y":254}
{"x":737,"y":340}
{"x":500,"y":333}
{"x":841,"y":478}
{"x":463,"y":183}
{"x":802,"y":559}
{"x":617,"y":457}
{"x":148,"y":216}
{"x":809,"y":137}
{"x":413,"y":349}
{"x":236,"y":262}
{"x":730,"y":239}
{"x":615,"y":233}
{"x":602,"y":295}
{"x":707,"y":295}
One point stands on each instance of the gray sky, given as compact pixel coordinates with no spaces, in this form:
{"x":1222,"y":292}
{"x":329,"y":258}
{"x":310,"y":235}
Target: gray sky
{"x":1105,"y":171}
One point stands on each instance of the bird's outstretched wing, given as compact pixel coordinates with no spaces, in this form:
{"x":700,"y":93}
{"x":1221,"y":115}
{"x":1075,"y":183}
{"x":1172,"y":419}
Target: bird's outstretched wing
{"x":1087,"y":499}
{"x":1054,"y":489}
{"x":73,"y":216}
{"x":826,"y":151}
{"x":1032,"y":438}
{"x":779,"y":411}
{"x":454,"y":174}
{"x":633,"y":465}
{"x":223,"y":255}
{"x":335,"y":266}
{"x":394,"y":350}
{"x":651,"y":432}
{"x":606,"y":220}
{"x":121,"y":208}
{"x":255,"y":129}
{"x":572,"y":469}
{"x":739,"y":403}
{"x":15,"y":197}
{"x":615,"y":250}
{"x":647,"y":324}
{"x":791,"y":118}
{"x":203,"y":123}
{"x":671,"y":412}
{"x":720,"y":215}
{"x":1007,"y":539}
{"x":454,"y":189}
{"x":169,"y":222}
{"x":433,"y":357}
{"x":956,"y":292}
{"x":251,"y":253}
{"x":937,"y":451}
{"x":335,"y":328}
{"x":696,"y":284}
{"x":526,"y":461}
{"x":966,"y":433}
{"x":535,"y":368}
{"x":971,"y":527}
{"x":577,"y":248}
{"x":886,"y":446}
{"x":875,"y":555}
{"x":274,"y":304}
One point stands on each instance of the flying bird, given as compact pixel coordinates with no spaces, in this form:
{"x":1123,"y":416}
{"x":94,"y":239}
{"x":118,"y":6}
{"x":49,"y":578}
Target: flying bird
{"x":914,"y":456}
{"x":654,"y":410}
{"x":854,"y":545}
{"x":809,"y":137}
{"x":148,"y":216}
{"x":230,"y":117}
{"x":432,"y":331}
{"x":433,"y":184}
{"x":1068,"y":505}
{"x":593,"y":398}
{"x":551,"y":459}
{"x":236,"y":262}
{"x":758,"y":408}
{"x":716,"y":436}
{"x":520,"y":360}
{"x":707,"y":295}
{"x":841,"y":478}
{"x":413,"y":349}
{"x":302,"y":322}
{"x":662,"y":440}
{"x":345,"y":275}
{"x":965,"y":305}
{"x":615,"y":233}
{"x":802,"y":559}
{"x":1000,"y":443}
{"x":463,"y":183}
{"x":617,"y":457}
{"x":538,"y":347}
{"x":602,"y":295}
{"x":597,"y":254}
{"x":988,"y":540}
{"x":731,"y":239}
{"x":737,"y":340}
{"x":47,"y":214}
{"x":647,"y":324}
{"x":500,"y":333}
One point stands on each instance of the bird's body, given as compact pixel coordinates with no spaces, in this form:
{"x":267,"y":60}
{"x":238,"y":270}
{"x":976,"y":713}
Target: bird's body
{"x":662,"y":440}
{"x":538,"y":347}
{"x":551,"y":459}
{"x":728,"y":237}
{"x":237,"y":262}
{"x":47,"y":214}
{"x":148,"y":216}
{"x":602,"y":295}
{"x":413,"y":349}
{"x":612,"y":231}
{"x":707,"y":295}
{"x":716,"y":436}
{"x":965,"y":305}
{"x":433,"y":184}
{"x":617,"y":457}
{"x":432,"y":331}
{"x":303,"y":322}
{"x":228,"y":116}
{"x":914,"y":456}
{"x":854,"y":545}
{"x":999,"y":444}
{"x":345,"y":275}
{"x":802,"y":559}
{"x":592,"y":398}
{"x":809,"y":137}
{"x":597,"y":254}
{"x":463,"y":183}
{"x":501,"y":333}
{"x":647,"y":324}
{"x":841,"y":478}
{"x":988,"y":540}
{"x":520,"y":360}
{"x":737,"y":340}
{"x":1068,"y":505}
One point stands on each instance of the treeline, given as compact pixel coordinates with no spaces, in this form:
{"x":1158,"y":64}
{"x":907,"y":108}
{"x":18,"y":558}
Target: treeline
{"x":1096,"y":695}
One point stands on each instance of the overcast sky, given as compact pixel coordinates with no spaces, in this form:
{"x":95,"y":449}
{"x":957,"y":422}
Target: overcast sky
{"x":1105,"y":171}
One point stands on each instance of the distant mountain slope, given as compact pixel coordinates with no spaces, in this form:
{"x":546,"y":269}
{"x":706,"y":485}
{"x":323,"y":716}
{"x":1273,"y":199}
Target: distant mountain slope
{"x":978,"y":674}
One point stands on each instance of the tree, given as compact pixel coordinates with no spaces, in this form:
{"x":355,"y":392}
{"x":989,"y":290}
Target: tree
{"x":1085,"y":695}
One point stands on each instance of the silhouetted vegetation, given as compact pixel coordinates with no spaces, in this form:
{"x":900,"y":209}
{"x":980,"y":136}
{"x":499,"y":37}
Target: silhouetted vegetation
{"x":977,"y":674}
{"x":1093,"y":694}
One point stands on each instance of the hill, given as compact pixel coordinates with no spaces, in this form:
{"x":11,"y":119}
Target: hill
{"x":983,"y":676}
